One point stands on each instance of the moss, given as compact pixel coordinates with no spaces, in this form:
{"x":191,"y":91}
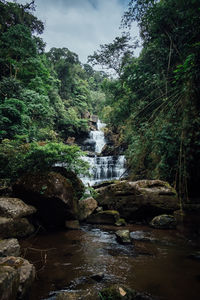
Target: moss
{"x":109,"y":212}
{"x":117,"y":293}
{"x":121,"y":222}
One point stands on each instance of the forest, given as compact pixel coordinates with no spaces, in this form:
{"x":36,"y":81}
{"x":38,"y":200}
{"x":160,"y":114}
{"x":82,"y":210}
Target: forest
{"x":134,"y":234}
{"x":152,"y":101}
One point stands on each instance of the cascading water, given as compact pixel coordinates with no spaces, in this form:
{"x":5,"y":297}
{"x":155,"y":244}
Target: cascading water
{"x":102,"y":168}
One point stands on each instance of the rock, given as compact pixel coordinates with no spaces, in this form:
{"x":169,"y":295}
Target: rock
{"x":77,"y":295}
{"x":91,"y":154}
{"x":164,"y":222}
{"x":138,"y":200}
{"x":9,"y":283}
{"x":97,"y":277}
{"x":52,"y":194}
{"x":142,"y":236}
{"x":104,"y":217}
{"x":76,"y":182}
{"x":117,"y":292}
{"x":121,"y":222}
{"x":86,"y":207}
{"x":104,"y":183}
{"x":70,"y":140}
{"x":9,"y":247}
{"x":15,"y":208}
{"x":16,"y":228}
{"x":25,"y":270}
{"x":72,"y":224}
{"x":99,"y":208}
{"x":123,"y":236}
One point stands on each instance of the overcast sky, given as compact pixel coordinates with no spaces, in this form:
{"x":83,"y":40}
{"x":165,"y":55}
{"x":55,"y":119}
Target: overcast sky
{"x":80,"y":25}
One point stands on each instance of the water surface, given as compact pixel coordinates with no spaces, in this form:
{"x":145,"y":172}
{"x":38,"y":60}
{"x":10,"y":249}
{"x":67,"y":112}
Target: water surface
{"x":156,"y":262}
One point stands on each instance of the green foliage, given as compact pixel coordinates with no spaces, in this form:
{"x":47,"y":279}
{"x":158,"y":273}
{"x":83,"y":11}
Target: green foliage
{"x":114,"y":55}
{"x":9,"y":88}
{"x":38,"y":107}
{"x":16,"y":45}
{"x":154,"y":103}
{"x":12,"y":118}
{"x":18,"y":158}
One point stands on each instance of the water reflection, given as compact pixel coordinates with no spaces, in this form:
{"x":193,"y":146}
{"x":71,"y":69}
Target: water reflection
{"x":158,"y":264}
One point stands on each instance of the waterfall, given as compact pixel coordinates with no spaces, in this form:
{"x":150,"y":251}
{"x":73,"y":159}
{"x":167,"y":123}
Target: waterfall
{"x":102,"y":168}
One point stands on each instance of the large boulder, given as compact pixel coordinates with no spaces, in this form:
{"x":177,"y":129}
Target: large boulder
{"x":138,"y":200}
{"x":14,"y":208}
{"x":26,"y":273}
{"x":9,"y":282}
{"x":51,"y":193}
{"x":76,"y":182}
{"x":87,"y":207}
{"x":15,"y":228}
{"x":104,"y":217}
{"x":9,"y":247}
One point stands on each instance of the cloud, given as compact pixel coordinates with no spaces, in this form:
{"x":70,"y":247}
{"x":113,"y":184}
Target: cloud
{"x":80,"y":25}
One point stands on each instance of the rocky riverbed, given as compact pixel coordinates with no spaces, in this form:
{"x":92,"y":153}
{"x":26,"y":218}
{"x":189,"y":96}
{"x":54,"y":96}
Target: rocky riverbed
{"x":84,"y":261}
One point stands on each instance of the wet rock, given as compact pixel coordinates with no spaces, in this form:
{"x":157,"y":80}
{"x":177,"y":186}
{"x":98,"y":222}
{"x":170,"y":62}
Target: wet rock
{"x":118,"y":292}
{"x":164,"y":222}
{"x":91,"y":154}
{"x":104,"y":217}
{"x":15,"y":208}
{"x":121,"y":222}
{"x":138,"y":200}
{"x":72,"y":224}
{"x":9,"y":283}
{"x":97,"y":277}
{"x":86,"y":207}
{"x":77,"y":295}
{"x":25,"y":270}
{"x":142,"y":236}
{"x":123,"y":236}
{"x":9,"y":247}
{"x":52,"y":194}
{"x":16,"y":228}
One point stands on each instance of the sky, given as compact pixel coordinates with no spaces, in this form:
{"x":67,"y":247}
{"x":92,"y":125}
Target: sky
{"x":80,"y":25}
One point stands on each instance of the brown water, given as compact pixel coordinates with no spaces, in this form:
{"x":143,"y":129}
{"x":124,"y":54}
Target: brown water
{"x":158,"y":264}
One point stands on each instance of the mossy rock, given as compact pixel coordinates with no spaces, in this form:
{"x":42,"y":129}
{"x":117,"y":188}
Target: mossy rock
{"x":76,"y":182}
{"x":120,"y":292}
{"x":164,"y":222}
{"x":52,"y":194}
{"x":121,"y":222}
{"x":138,"y":200}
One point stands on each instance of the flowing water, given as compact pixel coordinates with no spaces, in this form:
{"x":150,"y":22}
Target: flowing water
{"x":156,"y":262}
{"x":102,"y":168}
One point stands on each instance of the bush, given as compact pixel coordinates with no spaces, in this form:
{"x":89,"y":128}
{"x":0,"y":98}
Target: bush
{"x":17,"y":158}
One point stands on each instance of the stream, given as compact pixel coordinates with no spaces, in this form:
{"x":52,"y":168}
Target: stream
{"x":156,"y":262}
{"x":88,"y":259}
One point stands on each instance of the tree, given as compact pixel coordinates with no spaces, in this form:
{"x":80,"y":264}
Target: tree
{"x":18,"y":158}
{"x":115,"y":55}
{"x":13,"y":120}
{"x":154,"y":101}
